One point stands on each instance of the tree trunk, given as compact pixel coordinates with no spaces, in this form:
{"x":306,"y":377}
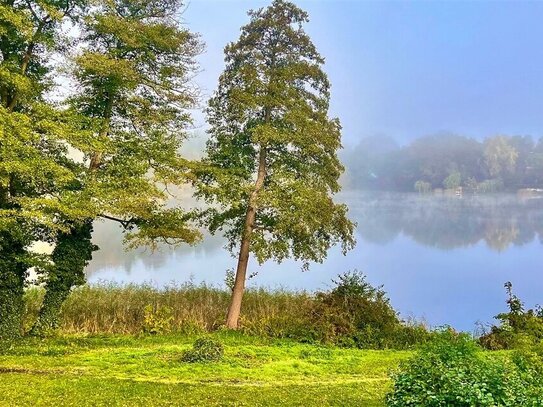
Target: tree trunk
{"x":26,"y":61}
{"x":234,"y":310}
{"x":70,"y":256}
{"x":12,"y":279}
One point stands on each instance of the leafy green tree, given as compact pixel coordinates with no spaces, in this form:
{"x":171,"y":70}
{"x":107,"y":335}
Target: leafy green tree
{"x":453,"y":180}
{"x":34,"y":164}
{"x":272,"y":156}
{"x":134,"y":92}
{"x":500,"y":156}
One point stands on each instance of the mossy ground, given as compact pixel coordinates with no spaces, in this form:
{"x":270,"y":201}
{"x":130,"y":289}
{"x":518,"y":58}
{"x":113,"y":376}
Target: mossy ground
{"x":146,"y":370}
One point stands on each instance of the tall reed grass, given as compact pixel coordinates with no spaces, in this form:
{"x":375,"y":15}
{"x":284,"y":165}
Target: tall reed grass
{"x":351,"y":314}
{"x":121,"y":309}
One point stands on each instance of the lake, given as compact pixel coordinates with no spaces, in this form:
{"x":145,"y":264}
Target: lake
{"x":443,"y":260}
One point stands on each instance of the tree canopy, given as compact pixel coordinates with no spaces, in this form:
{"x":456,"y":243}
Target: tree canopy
{"x":109,"y":150}
{"x":272,"y":165}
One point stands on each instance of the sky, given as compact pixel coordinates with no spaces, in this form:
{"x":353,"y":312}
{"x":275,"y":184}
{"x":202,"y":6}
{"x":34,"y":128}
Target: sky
{"x":407,"y":69}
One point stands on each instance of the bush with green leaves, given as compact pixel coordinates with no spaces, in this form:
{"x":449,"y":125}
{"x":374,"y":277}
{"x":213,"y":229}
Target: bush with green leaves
{"x":452,"y":370}
{"x":354,"y":313}
{"x":490,"y":185}
{"x":157,"y":319}
{"x":454,"y":180}
{"x":517,"y":328}
{"x":204,"y":350}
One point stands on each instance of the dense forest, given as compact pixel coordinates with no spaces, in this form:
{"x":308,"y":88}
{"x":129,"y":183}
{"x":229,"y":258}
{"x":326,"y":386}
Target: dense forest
{"x":445,"y":161}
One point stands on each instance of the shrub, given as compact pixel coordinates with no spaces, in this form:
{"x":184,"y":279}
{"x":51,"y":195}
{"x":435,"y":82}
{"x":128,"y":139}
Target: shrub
{"x":354,"y":313}
{"x":204,"y":350}
{"x":157,"y":319}
{"x":452,"y":370}
{"x":518,"y":328}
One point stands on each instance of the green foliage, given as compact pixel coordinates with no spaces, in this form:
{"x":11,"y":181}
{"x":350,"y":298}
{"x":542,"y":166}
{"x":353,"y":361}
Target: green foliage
{"x":380,"y":163}
{"x":70,"y":256}
{"x":108,"y":150}
{"x":13,"y":272}
{"x":157,"y":319}
{"x":133,"y":73}
{"x":500,"y":155}
{"x":470,"y":184}
{"x":300,"y":316}
{"x":454,"y":180}
{"x":490,"y":185}
{"x":354,"y":313}
{"x":229,"y":279}
{"x":452,"y":370}
{"x":204,"y":350}
{"x":269,"y":121}
{"x":518,"y":328}
{"x":35,"y":168}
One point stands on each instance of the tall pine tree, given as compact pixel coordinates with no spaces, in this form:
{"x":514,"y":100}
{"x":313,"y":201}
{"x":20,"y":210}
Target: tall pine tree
{"x":272,"y":165}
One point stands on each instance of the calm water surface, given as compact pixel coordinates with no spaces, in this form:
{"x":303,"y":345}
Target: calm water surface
{"x":443,"y":260}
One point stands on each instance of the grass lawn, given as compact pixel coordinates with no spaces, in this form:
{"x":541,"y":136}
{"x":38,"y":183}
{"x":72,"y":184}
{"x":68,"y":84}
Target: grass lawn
{"x":146,"y":371}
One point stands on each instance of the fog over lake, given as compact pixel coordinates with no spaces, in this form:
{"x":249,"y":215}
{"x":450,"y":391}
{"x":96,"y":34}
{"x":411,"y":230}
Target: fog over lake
{"x":441,"y":259}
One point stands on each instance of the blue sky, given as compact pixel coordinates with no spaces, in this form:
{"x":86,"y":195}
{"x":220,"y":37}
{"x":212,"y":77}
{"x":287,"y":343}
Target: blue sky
{"x":409,"y":69}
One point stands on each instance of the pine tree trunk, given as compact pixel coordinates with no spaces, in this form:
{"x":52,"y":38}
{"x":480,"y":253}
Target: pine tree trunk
{"x":234,"y":310}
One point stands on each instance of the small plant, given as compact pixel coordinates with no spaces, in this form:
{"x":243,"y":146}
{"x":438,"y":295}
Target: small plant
{"x":517,"y":328}
{"x":157,"y":319}
{"x":229,"y":279}
{"x":204,"y":350}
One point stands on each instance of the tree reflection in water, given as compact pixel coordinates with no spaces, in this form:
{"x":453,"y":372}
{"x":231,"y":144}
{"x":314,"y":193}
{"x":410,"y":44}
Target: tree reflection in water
{"x":448,"y":222}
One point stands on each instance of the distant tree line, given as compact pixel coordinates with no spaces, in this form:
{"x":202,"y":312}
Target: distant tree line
{"x":498,"y":163}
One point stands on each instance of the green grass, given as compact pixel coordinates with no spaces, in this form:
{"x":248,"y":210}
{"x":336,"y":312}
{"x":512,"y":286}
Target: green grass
{"x":145,"y":370}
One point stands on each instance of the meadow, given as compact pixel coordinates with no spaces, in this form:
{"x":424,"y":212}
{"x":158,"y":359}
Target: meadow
{"x":139,"y":345}
{"x":122,"y":370}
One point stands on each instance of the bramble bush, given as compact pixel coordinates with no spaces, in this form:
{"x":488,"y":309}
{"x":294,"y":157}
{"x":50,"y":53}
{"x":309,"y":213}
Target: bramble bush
{"x":452,"y":370}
